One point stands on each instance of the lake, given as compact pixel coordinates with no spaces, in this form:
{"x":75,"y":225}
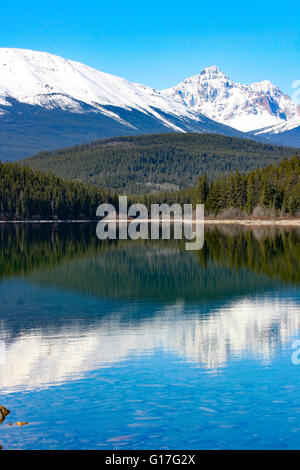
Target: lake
{"x":143,"y":345}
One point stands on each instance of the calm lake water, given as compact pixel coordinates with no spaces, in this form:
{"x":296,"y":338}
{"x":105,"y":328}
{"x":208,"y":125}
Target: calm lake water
{"x":143,"y":345}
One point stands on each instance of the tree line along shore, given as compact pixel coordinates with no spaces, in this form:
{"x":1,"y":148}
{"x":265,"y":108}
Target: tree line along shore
{"x":264,"y":193}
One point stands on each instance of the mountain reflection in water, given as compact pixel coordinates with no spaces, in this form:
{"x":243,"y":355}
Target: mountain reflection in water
{"x":207,"y":337}
{"x":71,"y":304}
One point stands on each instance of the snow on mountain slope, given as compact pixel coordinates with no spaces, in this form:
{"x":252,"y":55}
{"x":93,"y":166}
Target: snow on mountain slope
{"x":39,"y":78}
{"x":244,"y":107}
{"x":281,"y":127}
{"x":47,"y":102}
{"x":50,"y":81}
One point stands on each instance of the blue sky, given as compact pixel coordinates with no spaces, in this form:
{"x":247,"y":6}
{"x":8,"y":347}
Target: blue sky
{"x":159,"y":43}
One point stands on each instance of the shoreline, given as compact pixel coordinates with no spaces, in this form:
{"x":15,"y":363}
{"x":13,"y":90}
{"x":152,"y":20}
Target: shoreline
{"x":280,"y":222}
{"x":248,"y":222}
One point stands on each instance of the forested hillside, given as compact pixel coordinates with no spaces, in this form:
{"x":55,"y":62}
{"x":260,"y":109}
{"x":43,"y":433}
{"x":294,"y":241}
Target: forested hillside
{"x":28,"y":194}
{"x":269,"y":192}
{"x":155,"y":163}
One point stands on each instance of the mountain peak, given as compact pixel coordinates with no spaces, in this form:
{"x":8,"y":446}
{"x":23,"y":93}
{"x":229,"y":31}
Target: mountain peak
{"x":212,"y":72}
{"x":241,"y":106}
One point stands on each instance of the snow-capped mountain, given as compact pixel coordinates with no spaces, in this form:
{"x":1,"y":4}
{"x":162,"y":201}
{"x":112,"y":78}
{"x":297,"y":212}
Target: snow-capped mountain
{"x":46,"y":80}
{"x":244,"y":107}
{"x":48,"y":102}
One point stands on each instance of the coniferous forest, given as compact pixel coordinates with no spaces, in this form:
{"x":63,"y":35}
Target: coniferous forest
{"x":27,"y":194}
{"x":155,"y":163}
{"x":268,"y":192}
